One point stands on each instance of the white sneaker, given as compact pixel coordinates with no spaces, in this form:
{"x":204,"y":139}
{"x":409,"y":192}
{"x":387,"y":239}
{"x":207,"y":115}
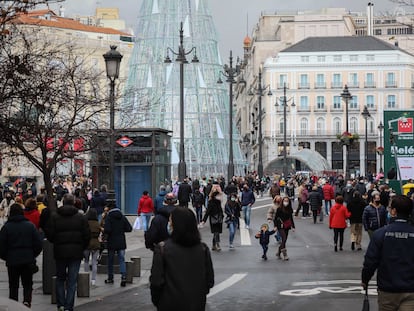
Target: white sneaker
{"x":247,"y":227}
{"x":231,"y":246}
{"x":93,"y":282}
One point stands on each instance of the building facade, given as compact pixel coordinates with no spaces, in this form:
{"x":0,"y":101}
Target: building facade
{"x":314,"y":83}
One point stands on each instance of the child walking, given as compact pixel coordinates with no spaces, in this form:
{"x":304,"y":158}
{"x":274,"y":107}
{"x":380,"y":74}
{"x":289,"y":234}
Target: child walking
{"x":263,"y":235}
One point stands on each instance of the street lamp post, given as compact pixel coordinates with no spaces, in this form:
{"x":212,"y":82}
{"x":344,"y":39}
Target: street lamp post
{"x":260,"y":92}
{"x":346,"y":96}
{"x":365,"y":114}
{"x":285,"y":101}
{"x":181,"y":58}
{"x":230,"y":73}
{"x":381,"y":128}
{"x":112,"y":62}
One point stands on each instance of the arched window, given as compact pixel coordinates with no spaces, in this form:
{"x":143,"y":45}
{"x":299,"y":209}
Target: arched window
{"x":320,"y":126}
{"x":304,"y":126}
{"x":353,"y":125}
{"x":337,"y":127}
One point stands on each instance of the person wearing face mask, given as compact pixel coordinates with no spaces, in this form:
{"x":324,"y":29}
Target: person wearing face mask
{"x":247,"y":201}
{"x":215,"y":213}
{"x":5,"y":206}
{"x":271,"y":213}
{"x":232,"y":210}
{"x":374,"y":215}
{"x":284,"y":222}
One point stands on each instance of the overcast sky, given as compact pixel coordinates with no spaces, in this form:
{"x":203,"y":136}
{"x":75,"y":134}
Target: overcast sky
{"x":233,"y":18}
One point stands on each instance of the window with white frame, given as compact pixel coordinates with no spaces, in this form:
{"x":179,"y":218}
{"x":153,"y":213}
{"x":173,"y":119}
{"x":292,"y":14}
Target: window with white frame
{"x":353,"y":103}
{"x":337,"y":102}
{"x":390,"y":82}
{"x":304,"y":59}
{"x":337,"y":125}
{"x":321,"y":59}
{"x":320,"y":102}
{"x":303,"y":126}
{"x":320,"y":126}
{"x":370,"y":101}
{"x":353,"y":125}
{"x":353,"y":58}
{"x":353,"y":79}
{"x":304,"y":103}
{"x":337,"y":58}
{"x":391,"y":101}
{"x":281,"y":126}
{"x":370,"y":58}
{"x":336,"y":80}
{"x":282,"y":80}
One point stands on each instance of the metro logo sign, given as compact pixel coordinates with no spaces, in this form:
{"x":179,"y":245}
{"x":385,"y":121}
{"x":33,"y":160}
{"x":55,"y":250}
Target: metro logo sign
{"x":405,"y":126}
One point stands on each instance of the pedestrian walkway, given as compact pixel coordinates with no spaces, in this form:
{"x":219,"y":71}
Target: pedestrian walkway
{"x":41,"y":302}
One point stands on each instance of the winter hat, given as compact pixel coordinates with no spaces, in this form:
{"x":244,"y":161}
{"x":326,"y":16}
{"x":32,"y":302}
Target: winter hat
{"x":16,"y":209}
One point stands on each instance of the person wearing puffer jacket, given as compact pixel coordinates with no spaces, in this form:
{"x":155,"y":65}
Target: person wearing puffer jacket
{"x":337,"y":221}
{"x":374,"y":215}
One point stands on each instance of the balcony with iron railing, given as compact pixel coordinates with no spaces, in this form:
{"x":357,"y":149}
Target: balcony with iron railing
{"x":370,"y":84}
{"x":281,"y":85}
{"x":336,"y":85}
{"x":353,"y":84}
{"x":320,"y":85}
{"x":315,"y":134}
{"x":303,"y":85}
{"x":390,"y":84}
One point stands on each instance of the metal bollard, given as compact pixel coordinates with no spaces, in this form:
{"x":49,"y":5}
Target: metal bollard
{"x":83,"y":284}
{"x":53,"y":291}
{"x":48,"y":267}
{"x":137,"y":266}
{"x":129,"y":271}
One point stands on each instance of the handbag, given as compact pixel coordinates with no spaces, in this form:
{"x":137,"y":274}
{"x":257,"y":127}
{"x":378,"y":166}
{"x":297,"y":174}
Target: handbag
{"x":286,"y":224}
{"x":365,"y":306}
{"x":137,"y":223}
{"x":216,"y":219}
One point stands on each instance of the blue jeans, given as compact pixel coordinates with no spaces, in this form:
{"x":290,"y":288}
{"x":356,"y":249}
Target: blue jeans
{"x":145,"y":220}
{"x":121,"y":259}
{"x":328,"y":205}
{"x":232,"y":230}
{"x":247,"y":210}
{"x":66,"y":272}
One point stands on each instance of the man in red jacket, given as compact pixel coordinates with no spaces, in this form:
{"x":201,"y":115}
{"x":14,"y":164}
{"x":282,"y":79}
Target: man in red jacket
{"x":145,"y":209}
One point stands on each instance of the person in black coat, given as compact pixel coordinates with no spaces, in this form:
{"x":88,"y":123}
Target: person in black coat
{"x":20,"y":244}
{"x":356,"y":208}
{"x":184,"y":193}
{"x":215,"y":213}
{"x":182,"y":270}
{"x":69,"y":232}
{"x":115,"y":227}
{"x":315,"y":202}
{"x":157,"y":231}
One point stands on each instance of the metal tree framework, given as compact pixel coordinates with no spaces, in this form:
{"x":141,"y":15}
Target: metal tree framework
{"x":152,"y":93}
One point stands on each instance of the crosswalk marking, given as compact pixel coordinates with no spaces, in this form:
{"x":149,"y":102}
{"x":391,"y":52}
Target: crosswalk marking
{"x":227,"y":283}
{"x":244,"y":234}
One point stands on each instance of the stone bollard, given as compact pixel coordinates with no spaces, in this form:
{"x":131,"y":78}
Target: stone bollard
{"x":83,"y":284}
{"x":53,"y":290}
{"x":129,"y":271}
{"x":137,"y":266}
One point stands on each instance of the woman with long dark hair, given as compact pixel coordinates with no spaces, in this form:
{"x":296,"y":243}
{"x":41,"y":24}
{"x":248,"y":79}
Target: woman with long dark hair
{"x":182,"y":271}
{"x":284,"y":222}
{"x":215,"y":213}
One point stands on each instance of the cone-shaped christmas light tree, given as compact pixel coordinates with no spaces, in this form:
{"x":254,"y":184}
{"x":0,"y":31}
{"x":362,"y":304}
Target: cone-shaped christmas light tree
{"x":152,"y":93}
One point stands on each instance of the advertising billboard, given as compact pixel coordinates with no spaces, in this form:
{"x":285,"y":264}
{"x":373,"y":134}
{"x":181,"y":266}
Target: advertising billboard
{"x":398,"y":147}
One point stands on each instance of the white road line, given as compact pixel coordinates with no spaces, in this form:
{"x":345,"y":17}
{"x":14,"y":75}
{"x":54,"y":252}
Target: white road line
{"x":227,"y":283}
{"x":261,"y":206}
{"x":332,"y":282}
{"x":244,"y":234}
